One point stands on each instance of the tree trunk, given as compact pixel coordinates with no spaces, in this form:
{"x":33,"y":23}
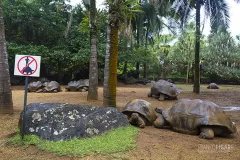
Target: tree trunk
{"x":113,"y":57}
{"x":188,"y":65}
{"x":106,"y":70}
{"x":145,"y":63}
{"x":137,"y":69}
{"x":69,"y":24}
{"x":125,"y":70}
{"x":164,"y":74}
{"x":187,"y":76}
{"x":196,"y":88}
{"x":139,"y":28}
{"x":93,"y":64}
{"x":6,"y":104}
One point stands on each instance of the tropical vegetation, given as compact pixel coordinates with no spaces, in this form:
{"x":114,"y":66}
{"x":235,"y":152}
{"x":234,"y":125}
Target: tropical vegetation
{"x":127,"y":38}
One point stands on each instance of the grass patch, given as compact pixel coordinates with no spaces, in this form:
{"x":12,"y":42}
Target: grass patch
{"x":118,"y":140}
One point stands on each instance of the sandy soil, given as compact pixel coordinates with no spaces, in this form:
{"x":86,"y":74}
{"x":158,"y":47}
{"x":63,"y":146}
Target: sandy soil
{"x":152,"y":143}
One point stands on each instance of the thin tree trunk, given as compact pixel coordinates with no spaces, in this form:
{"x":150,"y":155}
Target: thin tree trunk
{"x":139,"y":27}
{"x":106,"y":70}
{"x":145,"y":64}
{"x":6,"y":104}
{"x":188,"y":66}
{"x":125,"y":70}
{"x":138,"y":43}
{"x":189,"y":60}
{"x":112,"y":78}
{"x":137,"y":69}
{"x":69,"y":24}
{"x":93,"y":65}
{"x":196,"y":88}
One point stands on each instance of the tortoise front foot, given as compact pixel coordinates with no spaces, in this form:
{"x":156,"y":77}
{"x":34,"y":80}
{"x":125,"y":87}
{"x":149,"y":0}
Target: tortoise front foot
{"x":161,"y":97}
{"x":141,"y":122}
{"x":206,"y":133}
{"x":149,"y":94}
{"x":141,"y":126}
{"x":38,"y":91}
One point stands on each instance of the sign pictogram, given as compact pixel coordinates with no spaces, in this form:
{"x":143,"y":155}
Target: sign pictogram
{"x":26,"y":65}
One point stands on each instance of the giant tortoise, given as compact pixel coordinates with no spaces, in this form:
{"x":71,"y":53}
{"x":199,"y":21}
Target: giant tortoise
{"x":196,"y":117}
{"x":80,"y":85}
{"x":52,"y":86}
{"x":212,"y":86}
{"x":163,"y":90}
{"x":35,"y":86}
{"x":139,"y":113}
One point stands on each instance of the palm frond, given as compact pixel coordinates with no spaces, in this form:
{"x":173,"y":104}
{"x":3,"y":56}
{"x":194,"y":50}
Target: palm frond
{"x":182,"y":11}
{"x":218,"y":11}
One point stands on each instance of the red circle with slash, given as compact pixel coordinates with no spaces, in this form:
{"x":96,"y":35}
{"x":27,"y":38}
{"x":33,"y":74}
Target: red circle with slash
{"x":32,"y":62}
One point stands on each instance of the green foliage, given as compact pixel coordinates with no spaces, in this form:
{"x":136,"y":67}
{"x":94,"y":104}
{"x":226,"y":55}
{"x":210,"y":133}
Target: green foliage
{"x":118,"y":140}
{"x":101,"y":21}
{"x":221,"y":57}
{"x":38,"y":27}
{"x":215,"y":73}
{"x":38,"y":22}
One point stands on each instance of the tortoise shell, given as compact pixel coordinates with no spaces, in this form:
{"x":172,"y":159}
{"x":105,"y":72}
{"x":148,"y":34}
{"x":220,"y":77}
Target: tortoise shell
{"x":141,"y":107}
{"x":35,"y":86}
{"x":164,"y":87}
{"x":213,"y":86}
{"x":188,"y":115}
{"x":51,"y":86}
{"x":77,"y":85}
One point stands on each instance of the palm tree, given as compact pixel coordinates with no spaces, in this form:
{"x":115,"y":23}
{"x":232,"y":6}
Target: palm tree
{"x":119,"y":12}
{"x":6,"y":104}
{"x":217,"y":10}
{"x":150,"y":23}
{"x":93,"y":65}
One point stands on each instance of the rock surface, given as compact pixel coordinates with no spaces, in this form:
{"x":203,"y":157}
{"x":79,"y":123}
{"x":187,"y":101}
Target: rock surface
{"x":60,"y":121}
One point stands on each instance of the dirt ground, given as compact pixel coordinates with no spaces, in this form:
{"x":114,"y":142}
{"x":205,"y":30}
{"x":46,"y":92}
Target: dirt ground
{"x":152,"y":143}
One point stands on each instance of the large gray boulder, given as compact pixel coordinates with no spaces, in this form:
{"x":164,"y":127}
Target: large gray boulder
{"x":60,"y":121}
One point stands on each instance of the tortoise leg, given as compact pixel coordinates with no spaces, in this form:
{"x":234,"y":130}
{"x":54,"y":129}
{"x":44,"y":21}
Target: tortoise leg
{"x":206,"y":133}
{"x":160,"y":122}
{"x":159,"y":110}
{"x":161,"y":97}
{"x":140,"y":122}
{"x":150,"y":94}
{"x":40,"y":90}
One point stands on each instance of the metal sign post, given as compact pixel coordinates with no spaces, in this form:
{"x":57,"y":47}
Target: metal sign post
{"x":28,"y":66}
{"x":24,"y":107}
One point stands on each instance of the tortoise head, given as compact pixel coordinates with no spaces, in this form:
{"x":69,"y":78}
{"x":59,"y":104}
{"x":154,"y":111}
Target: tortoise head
{"x":173,"y":90}
{"x":159,"y":110}
{"x":134,"y":116}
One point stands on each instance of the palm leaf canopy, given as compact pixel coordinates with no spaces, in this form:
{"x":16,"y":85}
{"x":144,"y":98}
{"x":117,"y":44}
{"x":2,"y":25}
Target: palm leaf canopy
{"x":121,"y":10}
{"x":217,"y":10}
